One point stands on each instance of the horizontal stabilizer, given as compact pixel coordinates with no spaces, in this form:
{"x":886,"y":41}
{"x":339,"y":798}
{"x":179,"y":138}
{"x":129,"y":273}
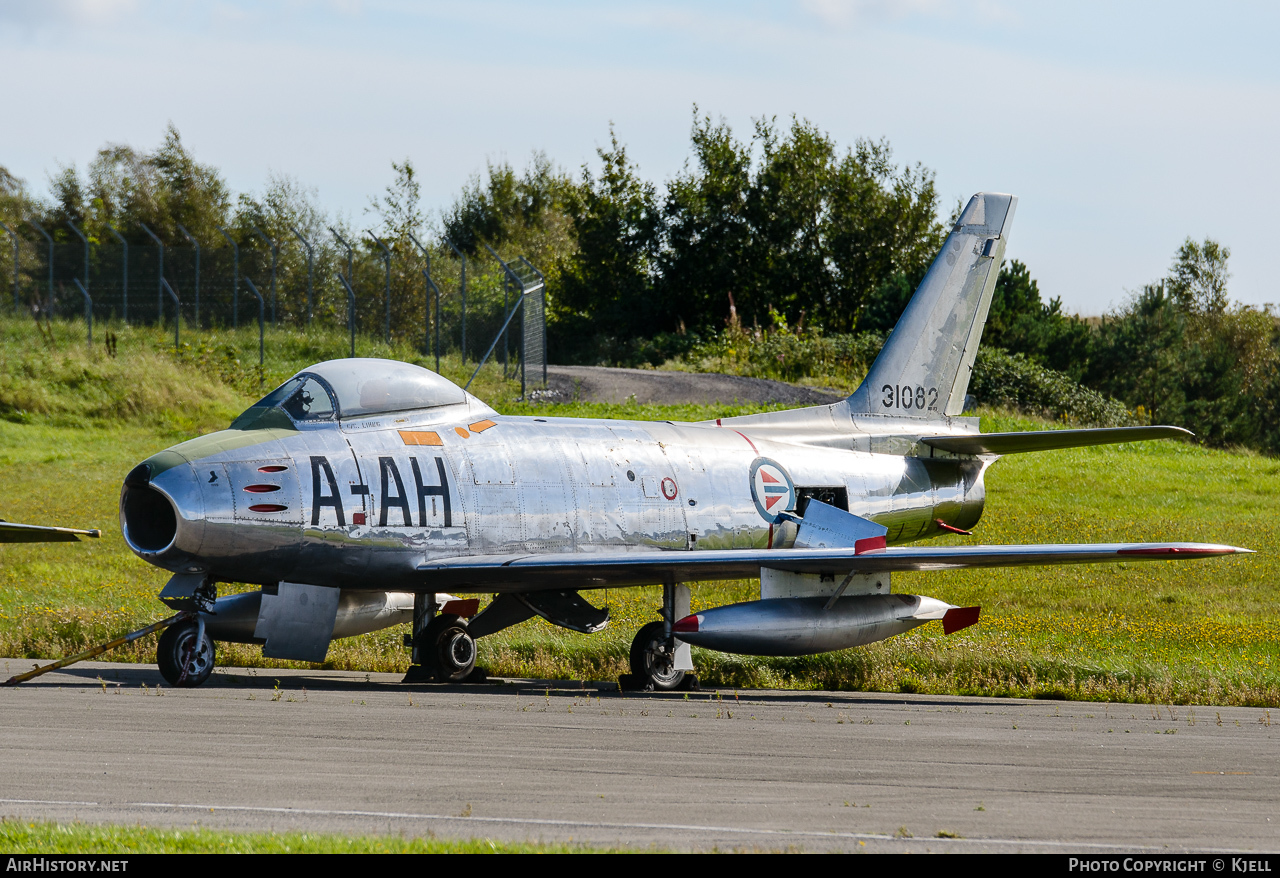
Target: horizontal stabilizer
{"x":524,"y":573}
{"x":12,"y":532}
{"x":1050,"y":440}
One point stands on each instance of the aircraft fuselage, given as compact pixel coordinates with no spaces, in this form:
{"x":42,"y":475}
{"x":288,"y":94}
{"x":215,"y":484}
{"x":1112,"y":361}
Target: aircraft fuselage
{"x":361,"y":505}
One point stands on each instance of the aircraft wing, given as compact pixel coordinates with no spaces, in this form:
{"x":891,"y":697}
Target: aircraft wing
{"x":654,"y":567}
{"x":12,"y":532}
{"x":1049,"y":440}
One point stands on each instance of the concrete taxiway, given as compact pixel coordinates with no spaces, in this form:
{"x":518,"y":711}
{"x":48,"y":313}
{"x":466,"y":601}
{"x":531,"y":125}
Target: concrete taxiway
{"x":346,"y":752}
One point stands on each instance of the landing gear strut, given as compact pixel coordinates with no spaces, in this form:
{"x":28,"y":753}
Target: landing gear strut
{"x":443,"y":649}
{"x":659,"y":662}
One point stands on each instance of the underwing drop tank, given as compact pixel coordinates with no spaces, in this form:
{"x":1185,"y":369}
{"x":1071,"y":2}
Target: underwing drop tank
{"x":806,"y":625}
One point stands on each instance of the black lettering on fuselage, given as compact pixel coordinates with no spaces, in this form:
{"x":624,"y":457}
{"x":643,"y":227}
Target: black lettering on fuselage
{"x":425,"y":491}
{"x":387,"y":465}
{"x":318,"y":499}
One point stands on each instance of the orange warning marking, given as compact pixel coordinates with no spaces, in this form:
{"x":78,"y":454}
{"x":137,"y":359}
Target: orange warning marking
{"x":461,"y":432}
{"x":420,"y":437}
{"x":481,"y":426}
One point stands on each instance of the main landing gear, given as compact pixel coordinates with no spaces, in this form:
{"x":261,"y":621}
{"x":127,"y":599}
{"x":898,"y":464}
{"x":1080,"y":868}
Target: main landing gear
{"x":444,"y":651}
{"x":653,"y":664}
{"x":660,"y":662}
{"x":446,"y":647}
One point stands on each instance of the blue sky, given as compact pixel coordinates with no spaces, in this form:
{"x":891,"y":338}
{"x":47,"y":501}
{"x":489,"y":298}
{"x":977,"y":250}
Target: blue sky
{"x":1123,"y":128}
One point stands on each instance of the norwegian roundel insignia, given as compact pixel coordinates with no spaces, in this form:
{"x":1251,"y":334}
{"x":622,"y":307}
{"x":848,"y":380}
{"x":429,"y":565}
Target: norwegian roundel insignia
{"x":772,"y":489}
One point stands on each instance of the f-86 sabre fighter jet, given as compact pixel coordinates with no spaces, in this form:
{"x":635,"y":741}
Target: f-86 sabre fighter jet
{"x":363,"y":493}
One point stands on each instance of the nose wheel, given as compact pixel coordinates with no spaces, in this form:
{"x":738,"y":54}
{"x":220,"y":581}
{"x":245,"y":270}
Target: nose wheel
{"x":185,"y":654}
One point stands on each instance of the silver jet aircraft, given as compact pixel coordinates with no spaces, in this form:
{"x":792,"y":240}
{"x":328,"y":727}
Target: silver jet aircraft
{"x":362,"y":494}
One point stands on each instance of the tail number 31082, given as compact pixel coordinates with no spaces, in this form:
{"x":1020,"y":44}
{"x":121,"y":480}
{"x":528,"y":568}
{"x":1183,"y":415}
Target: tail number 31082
{"x":904,"y":396}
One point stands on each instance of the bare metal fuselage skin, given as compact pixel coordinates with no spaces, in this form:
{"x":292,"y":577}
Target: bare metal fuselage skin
{"x":362,"y":504}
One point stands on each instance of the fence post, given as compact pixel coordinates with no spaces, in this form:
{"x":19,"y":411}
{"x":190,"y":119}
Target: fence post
{"x":235,"y":279}
{"x":88,"y":307}
{"x":387,"y":259}
{"x":542,"y":315}
{"x":80,"y":235}
{"x":310,"y":265}
{"x":506,"y":301}
{"x":343,"y":242}
{"x":463,"y":257}
{"x":196,"y":244}
{"x":14,"y":237}
{"x":275,"y":252}
{"x":159,"y":286}
{"x":431,"y":286}
{"x":177,"y":312}
{"x":351,"y":310}
{"x":124,"y":274}
{"x":485,"y":358}
{"x":35,"y":225}
{"x":262,"y":315}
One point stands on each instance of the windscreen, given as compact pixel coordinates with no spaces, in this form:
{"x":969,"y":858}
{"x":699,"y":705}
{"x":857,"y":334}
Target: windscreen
{"x":372,"y":387}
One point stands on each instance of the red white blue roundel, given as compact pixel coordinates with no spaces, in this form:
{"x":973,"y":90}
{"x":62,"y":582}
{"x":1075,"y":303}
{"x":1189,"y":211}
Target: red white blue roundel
{"x":772,"y":489}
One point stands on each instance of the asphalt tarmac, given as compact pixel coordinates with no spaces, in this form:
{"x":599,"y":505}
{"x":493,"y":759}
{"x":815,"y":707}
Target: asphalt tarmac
{"x":326,"y":751}
{"x":605,"y":384}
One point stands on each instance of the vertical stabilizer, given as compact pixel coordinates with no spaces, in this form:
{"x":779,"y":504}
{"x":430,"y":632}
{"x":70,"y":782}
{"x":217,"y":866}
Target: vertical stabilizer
{"x":923,"y":370}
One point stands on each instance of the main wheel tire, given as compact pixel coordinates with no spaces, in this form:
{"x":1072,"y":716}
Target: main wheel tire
{"x":182,"y":661}
{"x":652,"y":661}
{"x":448,"y":645}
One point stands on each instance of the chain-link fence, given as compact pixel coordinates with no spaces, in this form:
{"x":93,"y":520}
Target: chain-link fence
{"x":117,"y":295}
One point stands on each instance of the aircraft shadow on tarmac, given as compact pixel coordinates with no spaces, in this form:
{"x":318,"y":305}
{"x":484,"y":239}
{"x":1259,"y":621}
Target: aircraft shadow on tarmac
{"x":292,"y":680}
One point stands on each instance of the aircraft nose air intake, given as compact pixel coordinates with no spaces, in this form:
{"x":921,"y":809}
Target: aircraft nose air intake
{"x":158,"y":503}
{"x":147,"y":516}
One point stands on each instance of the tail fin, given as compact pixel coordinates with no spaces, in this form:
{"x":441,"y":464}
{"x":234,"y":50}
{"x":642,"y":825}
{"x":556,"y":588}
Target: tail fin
{"x":923,"y":370}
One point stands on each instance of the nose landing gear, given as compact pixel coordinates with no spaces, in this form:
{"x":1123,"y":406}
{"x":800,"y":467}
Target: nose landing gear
{"x":185,"y":654}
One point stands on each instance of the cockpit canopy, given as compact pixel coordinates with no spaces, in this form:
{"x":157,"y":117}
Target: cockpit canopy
{"x":352,"y":388}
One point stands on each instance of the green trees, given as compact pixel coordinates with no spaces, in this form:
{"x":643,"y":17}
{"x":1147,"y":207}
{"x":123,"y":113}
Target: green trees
{"x":1021,"y":323}
{"x":125,"y":188}
{"x":606,"y":296}
{"x":1185,"y":355}
{"x":781,"y":227}
{"x":789,"y":223}
{"x":778,"y":253}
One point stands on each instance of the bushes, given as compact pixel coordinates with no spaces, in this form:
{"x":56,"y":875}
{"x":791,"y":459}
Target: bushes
{"x":999,"y":379}
{"x":1012,"y":381}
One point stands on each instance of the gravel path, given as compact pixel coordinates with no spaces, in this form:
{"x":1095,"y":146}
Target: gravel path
{"x":603,"y":384}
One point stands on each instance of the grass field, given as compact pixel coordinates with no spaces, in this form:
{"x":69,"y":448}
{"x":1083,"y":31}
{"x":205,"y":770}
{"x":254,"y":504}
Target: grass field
{"x":41,"y":838}
{"x":72,"y":423}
